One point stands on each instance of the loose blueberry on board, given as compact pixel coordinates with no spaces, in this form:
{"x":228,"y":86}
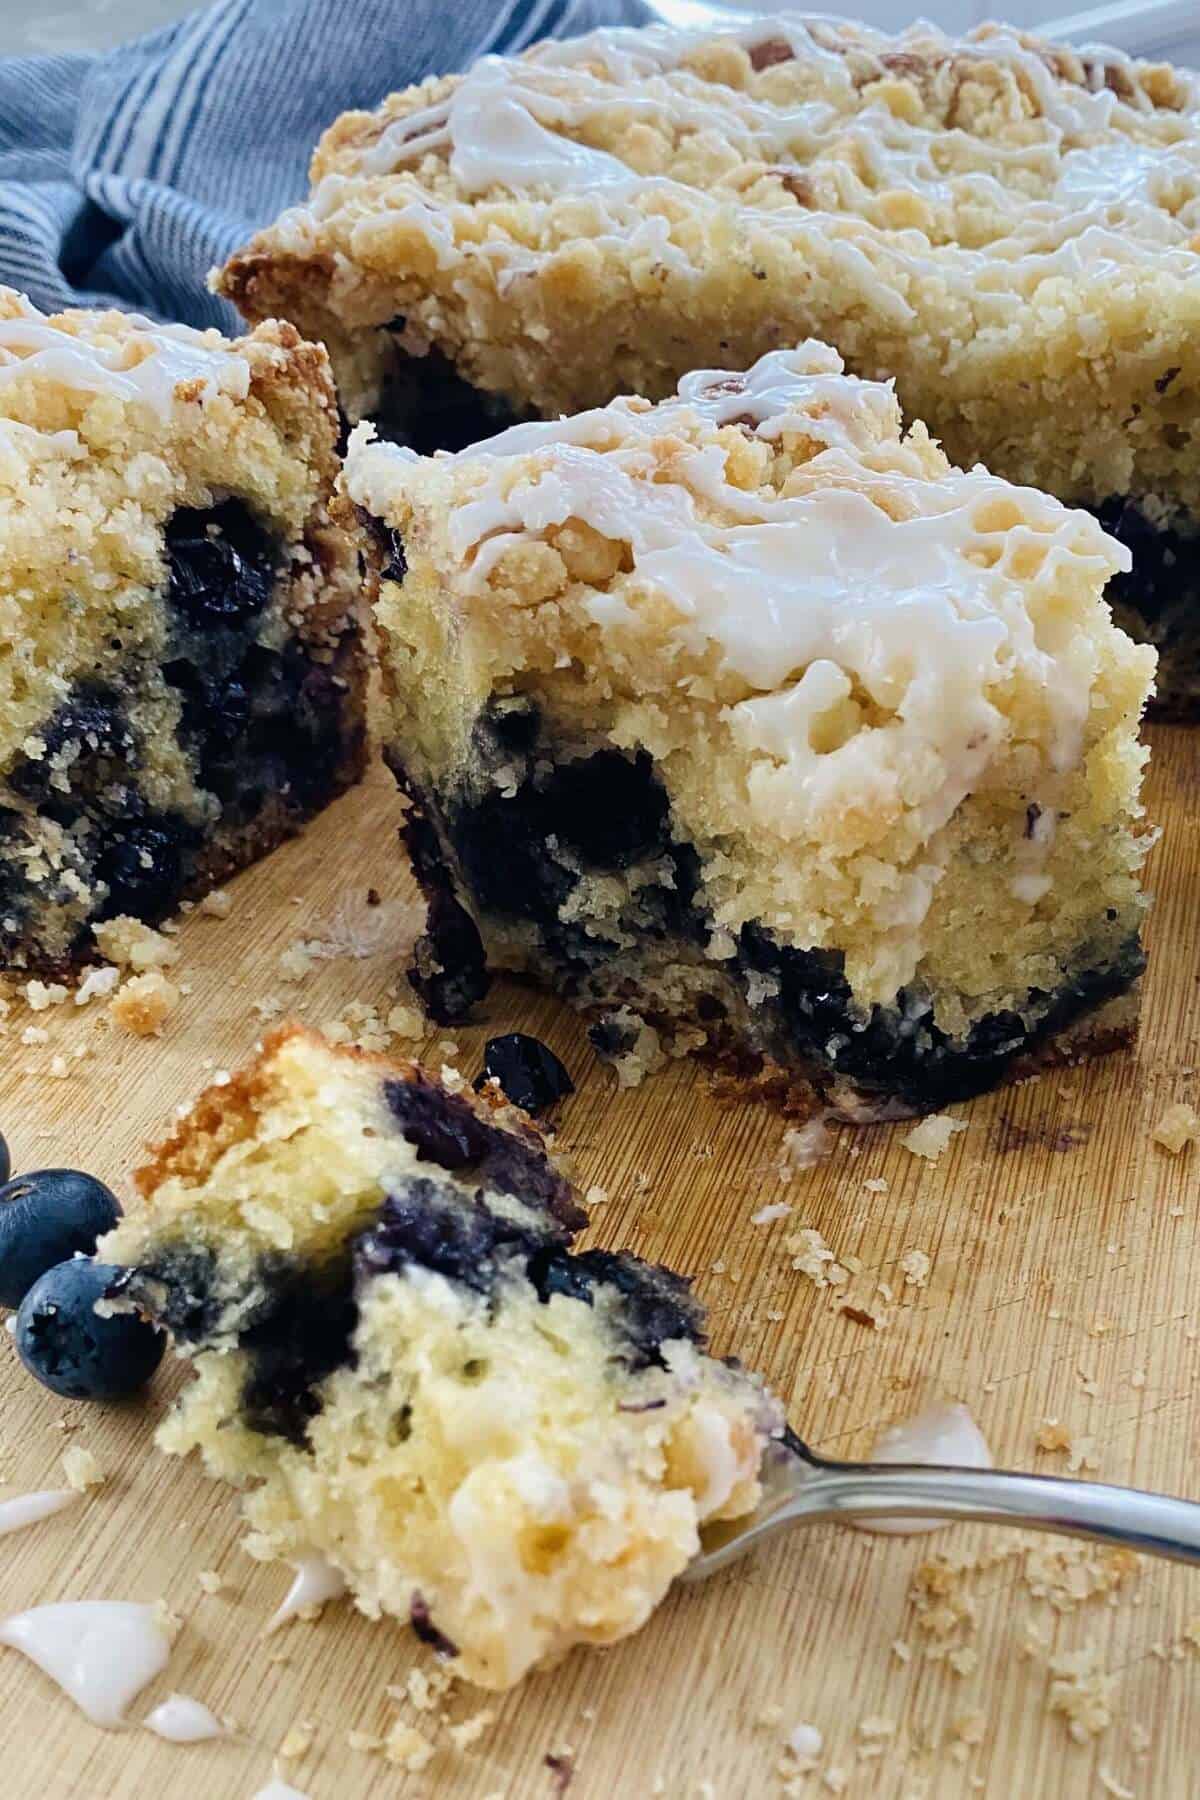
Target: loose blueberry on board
{"x":70,"y":1349}
{"x":528,"y":1071}
{"x":45,"y":1217}
{"x":5,"y":1159}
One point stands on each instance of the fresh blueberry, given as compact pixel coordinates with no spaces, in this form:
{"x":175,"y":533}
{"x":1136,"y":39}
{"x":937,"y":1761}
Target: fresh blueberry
{"x":45,"y":1217}
{"x":69,"y":1348}
{"x":5,"y":1159}
{"x":222,"y":564}
{"x":527,"y":1070}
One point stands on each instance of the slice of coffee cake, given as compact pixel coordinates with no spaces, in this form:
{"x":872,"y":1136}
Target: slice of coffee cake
{"x":749,"y":716}
{"x":182,"y":677}
{"x":1009,"y":227}
{"x":507,"y":1444}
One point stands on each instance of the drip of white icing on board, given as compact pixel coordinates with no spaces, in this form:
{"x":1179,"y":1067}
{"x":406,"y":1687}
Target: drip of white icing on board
{"x":182,"y":1720}
{"x":27,"y":1509}
{"x":100,"y":1652}
{"x":944,"y":1435}
{"x":279,"y":1790}
{"x":316,"y":1581}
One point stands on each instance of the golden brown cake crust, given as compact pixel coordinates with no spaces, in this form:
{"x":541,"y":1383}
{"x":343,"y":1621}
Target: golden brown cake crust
{"x":227,"y":1112}
{"x":1005,"y":225}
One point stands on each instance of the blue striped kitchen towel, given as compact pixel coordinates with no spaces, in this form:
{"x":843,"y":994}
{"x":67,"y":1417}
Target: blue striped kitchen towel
{"x":125,"y":177}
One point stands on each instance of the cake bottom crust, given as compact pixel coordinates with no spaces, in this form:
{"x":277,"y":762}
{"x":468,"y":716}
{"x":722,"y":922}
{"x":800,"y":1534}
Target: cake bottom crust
{"x":797,"y":1094}
{"x":774,"y":1021}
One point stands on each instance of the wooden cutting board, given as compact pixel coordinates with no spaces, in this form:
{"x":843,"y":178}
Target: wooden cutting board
{"x":1062,"y":1244}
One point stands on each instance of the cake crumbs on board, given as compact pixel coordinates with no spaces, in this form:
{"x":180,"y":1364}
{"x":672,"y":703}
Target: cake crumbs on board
{"x":469,"y":1731}
{"x":409,"y":1747}
{"x":1081,"y":1692}
{"x":297,"y":1741}
{"x":932,"y":1136}
{"x":143,"y":1004}
{"x":812,"y":1257}
{"x":1178,"y":1127}
{"x":804,"y":1146}
{"x":82,"y":1468}
{"x":915,"y":1266}
{"x":131,"y":944}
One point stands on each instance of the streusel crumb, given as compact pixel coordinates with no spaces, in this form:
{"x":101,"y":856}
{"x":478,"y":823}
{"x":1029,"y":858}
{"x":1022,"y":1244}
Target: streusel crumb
{"x":144,"y":1003}
{"x":82,"y":1468}
{"x":932,"y":1136}
{"x":1178,"y":1127}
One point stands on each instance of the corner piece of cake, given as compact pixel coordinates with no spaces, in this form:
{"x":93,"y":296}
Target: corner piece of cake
{"x":1009,"y":227}
{"x":748,"y":716}
{"x":183,"y":677}
{"x":507,"y":1444}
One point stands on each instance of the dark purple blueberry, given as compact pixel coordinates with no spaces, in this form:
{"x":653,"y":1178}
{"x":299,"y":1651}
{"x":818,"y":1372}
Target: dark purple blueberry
{"x":304,"y":1331}
{"x":142,"y":867}
{"x":389,"y":545}
{"x":222,"y":564}
{"x":177,"y":1290}
{"x":656,"y":1306}
{"x":69,"y":1348}
{"x":449,"y":973}
{"x":445,"y":1129}
{"x":511,"y":722}
{"x":435,"y":1227}
{"x":528,"y":1071}
{"x":610,"y":808}
{"x":103,"y":748}
{"x":46,"y":1217}
{"x":5,"y":1159}
{"x":425,"y":1628}
{"x":442,"y":1127}
{"x":612,"y":1036}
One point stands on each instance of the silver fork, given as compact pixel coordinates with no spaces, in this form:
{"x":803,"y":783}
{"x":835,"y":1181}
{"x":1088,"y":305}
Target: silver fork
{"x":801,"y":1488}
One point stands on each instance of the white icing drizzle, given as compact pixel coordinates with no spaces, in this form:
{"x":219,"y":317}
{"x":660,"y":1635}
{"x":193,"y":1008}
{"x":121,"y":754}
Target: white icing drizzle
{"x":182,"y":1720}
{"x":100,"y":1652}
{"x":817,"y":596}
{"x":33,"y":345}
{"x":945,"y":1435}
{"x":1096,"y":183}
{"x":316,"y":1581}
{"x":279,"y":1790}
{"x":27,"y":1509}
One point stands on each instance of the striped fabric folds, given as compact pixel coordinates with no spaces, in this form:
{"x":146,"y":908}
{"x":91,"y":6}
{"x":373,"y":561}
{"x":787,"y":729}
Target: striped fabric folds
{"x":124,"y":178}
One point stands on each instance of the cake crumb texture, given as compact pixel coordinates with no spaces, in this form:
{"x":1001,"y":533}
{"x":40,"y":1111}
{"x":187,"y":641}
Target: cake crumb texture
{"x":508,"y":1446}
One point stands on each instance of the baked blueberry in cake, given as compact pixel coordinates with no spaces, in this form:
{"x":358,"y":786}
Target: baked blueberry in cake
{"x":747,"y":720}
{"x":183,"y":677}
{"x":1007,"y":226}
{"x":503,"y":1442}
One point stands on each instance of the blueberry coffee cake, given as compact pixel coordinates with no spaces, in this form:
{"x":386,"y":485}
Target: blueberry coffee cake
{"x":507,"y":1444}
{"x":1010,"y":228}
{"x":747,"y":719}
{"x":182,"y":682}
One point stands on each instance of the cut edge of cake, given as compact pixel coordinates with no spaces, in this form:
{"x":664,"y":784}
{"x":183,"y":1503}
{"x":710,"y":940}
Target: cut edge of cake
{"x":677,"y":779}
{"x":171,"y":499}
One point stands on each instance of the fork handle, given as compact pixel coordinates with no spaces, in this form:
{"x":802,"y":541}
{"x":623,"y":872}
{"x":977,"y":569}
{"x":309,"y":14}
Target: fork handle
{"x":1156,"y":1524}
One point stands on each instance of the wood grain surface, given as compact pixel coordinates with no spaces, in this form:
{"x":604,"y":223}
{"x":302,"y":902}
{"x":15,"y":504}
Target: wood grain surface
{"x":1063,"y":1286}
